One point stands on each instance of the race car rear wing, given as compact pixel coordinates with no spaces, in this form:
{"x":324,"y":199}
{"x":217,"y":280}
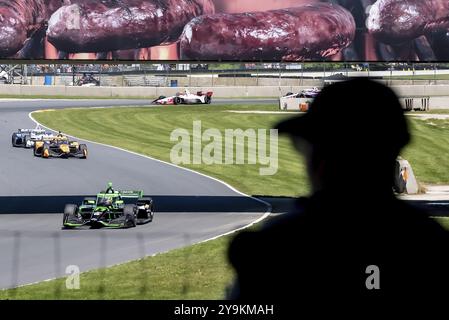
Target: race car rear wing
{"x":131,"y":194}
{"x":30,"y":131}
{"x":201,"y":93}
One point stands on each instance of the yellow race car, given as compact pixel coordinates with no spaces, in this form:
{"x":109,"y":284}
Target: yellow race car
{"x":59,"y":147}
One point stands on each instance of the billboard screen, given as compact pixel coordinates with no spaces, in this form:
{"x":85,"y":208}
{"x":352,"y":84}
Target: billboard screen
{"x":225,"y":30}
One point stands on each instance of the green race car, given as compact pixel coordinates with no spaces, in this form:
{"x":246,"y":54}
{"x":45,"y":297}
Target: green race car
{"x":111,"y":209}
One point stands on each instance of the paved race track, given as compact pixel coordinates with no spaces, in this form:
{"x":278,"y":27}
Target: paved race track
{"x":189,"y":207}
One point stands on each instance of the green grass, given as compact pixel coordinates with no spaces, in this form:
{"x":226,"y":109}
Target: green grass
{"x":420,"y":77}
{"x":178,"y":274}
{"x":224,"y":66}
{"x":433,"y":111}
{"x":147,"y":131}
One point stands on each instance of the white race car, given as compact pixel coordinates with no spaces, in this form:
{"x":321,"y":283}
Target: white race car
{"x":186,"y":98}
{"x":306,"y":93}
{"x":298,"y":101}
{"x":27,"y":137}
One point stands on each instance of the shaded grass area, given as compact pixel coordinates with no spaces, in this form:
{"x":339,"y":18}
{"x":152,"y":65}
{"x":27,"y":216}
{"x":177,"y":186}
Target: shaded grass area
{"x":432,"y":111}
{"x":147,"y":131}
{"x":444,"y":221}
{"x":200,"y":271}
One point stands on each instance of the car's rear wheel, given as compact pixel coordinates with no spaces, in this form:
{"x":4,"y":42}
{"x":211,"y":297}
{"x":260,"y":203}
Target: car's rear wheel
{"x":151,"y":213}
{"x":207,"y":100}
{"x":130,"y":216}
{"x":177,"y":100}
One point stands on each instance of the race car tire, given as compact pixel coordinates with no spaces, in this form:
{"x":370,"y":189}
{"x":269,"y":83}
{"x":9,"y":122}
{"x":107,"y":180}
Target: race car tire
{"x":149,"y":200}
{"x":83,"y":149}
{"x":177,"y":100}
{"x":151,"y":217}
{"x":36,"y":154}
{"x":130,"y":216}
{"x":45,"y":152}
{"x":13,"y":140}
{"x":69,"y":210}
{"x":207,"y":100}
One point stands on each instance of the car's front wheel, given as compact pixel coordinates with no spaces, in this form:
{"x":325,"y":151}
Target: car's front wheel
{"x":14,"y":137}
{"x":45,"y":152}
{"x":26,"y":139}
{"x":69,"y":211}
{"x":36,"y":152}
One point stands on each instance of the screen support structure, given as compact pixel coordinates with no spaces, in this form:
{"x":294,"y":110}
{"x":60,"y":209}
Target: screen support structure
{"x":13,"y":74}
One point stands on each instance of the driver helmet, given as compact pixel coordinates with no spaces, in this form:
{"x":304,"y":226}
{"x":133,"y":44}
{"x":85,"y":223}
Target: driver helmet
{"x":106,"y":202}
{"x":110,"y":189}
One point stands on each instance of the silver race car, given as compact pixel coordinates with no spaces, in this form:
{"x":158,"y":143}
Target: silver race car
{"x":27,"y":137}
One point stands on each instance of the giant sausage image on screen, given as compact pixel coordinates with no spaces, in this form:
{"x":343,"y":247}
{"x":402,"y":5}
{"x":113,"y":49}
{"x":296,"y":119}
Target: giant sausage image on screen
{"x":18,"y":20}
{"x":98,"y":26}
{"x":53,"y":5}
{"x":313,"y":31}
{"x":396,"y":21}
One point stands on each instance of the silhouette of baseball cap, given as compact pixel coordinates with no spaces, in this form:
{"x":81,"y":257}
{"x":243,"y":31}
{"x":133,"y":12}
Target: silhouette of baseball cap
{"x":355,"y":113}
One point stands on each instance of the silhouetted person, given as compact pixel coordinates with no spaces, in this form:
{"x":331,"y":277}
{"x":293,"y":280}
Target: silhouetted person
{"x":352,"y":235}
